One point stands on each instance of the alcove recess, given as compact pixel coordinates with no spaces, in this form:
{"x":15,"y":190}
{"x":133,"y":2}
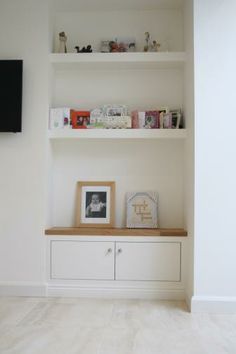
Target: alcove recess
{"x":137,"y":160}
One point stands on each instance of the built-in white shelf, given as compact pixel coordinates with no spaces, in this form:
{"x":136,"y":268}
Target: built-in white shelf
{"x":108,"y":5}
{"x":118,"y":60}
{"x":118,"y":134}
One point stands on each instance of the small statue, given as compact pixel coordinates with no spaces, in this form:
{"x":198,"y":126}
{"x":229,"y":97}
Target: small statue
{"x":150,"y":47}
{"x":114,"y":47}
{"x":154,"y":47}
{"x":63,"y":40}
{"x":88,"y":49}
{"x":147,"y":39}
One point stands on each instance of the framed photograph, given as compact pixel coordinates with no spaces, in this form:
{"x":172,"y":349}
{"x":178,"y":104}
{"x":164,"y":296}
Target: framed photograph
{"x":176,"y":118}
{"x":142,"y":210}
{"x":152,"y":119}
{"x":118,"y":45}
{"x":80,"y":119}
{"x":167,"y":121}
{"x":115,"y":110}
{"x":95,"y":204}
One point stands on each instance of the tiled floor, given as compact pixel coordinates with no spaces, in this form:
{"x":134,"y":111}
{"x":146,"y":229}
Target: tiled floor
{"x":89,"y":326}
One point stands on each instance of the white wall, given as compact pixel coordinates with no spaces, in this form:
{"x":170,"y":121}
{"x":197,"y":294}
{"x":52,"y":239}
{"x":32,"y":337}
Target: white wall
{"x":165,"y":26}
{"x":24,"y":177}
{"x":189,"y":144}
{"x":215,"y":144}
{"x":133,"y":165}
{"x":24,"y":34}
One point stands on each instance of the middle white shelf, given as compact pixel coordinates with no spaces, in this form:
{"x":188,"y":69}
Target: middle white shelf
{"x":148,"y":60}
{"x":117,"y":134}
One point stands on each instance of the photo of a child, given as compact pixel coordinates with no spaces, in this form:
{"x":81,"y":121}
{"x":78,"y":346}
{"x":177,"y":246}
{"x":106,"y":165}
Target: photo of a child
{"x":96,"y":204}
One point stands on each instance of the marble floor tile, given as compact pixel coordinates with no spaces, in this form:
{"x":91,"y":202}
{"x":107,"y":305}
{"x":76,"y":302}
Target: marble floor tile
{"x":92,"y":314}
{"x":118,"y":341}
{"x":150,"y":341}
{"x":105,"y":326}
{"x":12,"y":310}
{"x":51,"y":340}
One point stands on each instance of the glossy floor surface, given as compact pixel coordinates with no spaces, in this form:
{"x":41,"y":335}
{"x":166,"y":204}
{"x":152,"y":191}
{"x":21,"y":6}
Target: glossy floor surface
{"x":89,"y":326}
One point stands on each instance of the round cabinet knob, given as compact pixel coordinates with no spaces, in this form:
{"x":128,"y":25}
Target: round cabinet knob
{"x":119,"y":250}
{"x":109,"y":250}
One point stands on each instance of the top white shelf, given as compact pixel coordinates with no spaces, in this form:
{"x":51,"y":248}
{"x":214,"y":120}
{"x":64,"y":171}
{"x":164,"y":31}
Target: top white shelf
{"x":106,"y":5}
{"x":118,"y":60}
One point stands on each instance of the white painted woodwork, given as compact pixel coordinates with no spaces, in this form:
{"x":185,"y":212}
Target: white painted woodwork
{"x":95,"y":5}
{"x":117,"y":134}
{"x":82,"y":260}
{"x":96,"y":260}
{"x":137,"y":60}
{"x":153,"y":261}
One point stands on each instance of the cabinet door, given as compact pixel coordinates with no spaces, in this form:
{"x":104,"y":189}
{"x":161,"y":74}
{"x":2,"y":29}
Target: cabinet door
{"x":154,"y":261}
{"x":82,"y":260}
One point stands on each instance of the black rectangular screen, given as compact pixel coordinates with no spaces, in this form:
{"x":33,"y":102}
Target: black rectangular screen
{"x":10,"y":95}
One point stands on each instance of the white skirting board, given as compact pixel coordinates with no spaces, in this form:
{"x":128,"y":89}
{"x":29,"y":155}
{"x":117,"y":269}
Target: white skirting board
{"x":109,"y":292}
{"x":213,"y":304}
{"x":22,"y":289}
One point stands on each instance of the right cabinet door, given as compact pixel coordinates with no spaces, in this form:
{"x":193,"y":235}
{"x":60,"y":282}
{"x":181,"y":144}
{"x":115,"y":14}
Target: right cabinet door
{"x":148,"y":261}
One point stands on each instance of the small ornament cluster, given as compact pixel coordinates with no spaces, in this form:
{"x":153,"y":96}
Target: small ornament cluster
{"x":150,"y":46}
{"x":112,"y":46}
{"x":87,"y":49}
{"x":63,"y":48}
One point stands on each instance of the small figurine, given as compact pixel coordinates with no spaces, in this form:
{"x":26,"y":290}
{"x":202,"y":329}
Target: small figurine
{"x":105,"y":47}
{"x":147,"y":39}
{"x":154,"y":47}
{"x":114,"y":47}
{"x":150,"y":47}
{"x":63,"y":40}
{"x":88,"y":49}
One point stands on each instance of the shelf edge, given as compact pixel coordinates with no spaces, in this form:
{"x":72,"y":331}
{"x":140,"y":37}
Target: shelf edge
{"x":72,"y":231}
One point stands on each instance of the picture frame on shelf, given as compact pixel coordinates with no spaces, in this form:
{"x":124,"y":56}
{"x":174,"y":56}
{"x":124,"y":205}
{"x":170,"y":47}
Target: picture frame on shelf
{"x":176,"y":118}
{"x":118,"y":45}
{"x":115,"y":110}
{"x":151,"y":120}
{"x":80,"y":119}
{"x":59,"y":118}
{"x":142,"y":210}
{"x":167,"y":121}
{"x":95,"y":204}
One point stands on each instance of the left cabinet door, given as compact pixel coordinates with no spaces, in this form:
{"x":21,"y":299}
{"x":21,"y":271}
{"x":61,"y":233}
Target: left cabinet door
{"x":78,"y":260}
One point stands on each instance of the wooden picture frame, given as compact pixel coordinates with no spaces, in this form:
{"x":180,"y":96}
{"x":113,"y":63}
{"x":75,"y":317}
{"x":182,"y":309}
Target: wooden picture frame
{"x":95,"y":204}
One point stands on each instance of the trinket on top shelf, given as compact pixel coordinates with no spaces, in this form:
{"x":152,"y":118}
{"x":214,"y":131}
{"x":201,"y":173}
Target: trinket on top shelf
{"x":87,"y":49}
{"x":150,"y":47}
{"x":62,"y":42}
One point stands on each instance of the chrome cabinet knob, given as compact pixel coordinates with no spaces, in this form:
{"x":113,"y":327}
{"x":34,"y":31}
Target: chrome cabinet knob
{"x":109,"y":250}
{"x":119,"y":250}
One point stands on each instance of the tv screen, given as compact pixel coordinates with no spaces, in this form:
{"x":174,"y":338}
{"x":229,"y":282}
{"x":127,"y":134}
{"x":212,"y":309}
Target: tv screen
{"x":10,"y":95}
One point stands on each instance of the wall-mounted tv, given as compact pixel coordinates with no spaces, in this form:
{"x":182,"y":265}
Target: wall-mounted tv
{"x":11,"y":72}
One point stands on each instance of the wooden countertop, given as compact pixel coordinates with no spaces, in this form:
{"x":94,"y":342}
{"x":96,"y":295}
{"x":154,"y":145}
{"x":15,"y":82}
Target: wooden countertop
{"x":76,"y":231}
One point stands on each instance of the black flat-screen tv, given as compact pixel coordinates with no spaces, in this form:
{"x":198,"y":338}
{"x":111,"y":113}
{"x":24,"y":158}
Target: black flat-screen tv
{"x":11,"y":72}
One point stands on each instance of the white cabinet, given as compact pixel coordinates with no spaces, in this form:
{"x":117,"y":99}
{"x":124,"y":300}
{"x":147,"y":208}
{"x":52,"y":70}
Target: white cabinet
{"x":129,"y":261}
{"x":152,"y":261}
{"x":82,"y":260}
